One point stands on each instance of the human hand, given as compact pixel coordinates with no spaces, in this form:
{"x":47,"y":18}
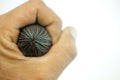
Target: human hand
{"x":13,"y":64}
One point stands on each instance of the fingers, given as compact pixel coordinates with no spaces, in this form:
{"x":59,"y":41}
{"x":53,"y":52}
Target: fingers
{"x":32,"y":11}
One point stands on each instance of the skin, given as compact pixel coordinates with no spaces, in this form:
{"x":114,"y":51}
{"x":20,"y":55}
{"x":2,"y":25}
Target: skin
{"x":15,"y":66}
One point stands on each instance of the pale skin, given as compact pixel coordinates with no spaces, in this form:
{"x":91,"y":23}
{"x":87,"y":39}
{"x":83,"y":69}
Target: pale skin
{"x":13,"y":64}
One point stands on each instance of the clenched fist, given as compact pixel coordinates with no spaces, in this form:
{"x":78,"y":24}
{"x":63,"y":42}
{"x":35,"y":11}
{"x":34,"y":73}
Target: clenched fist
{"x":13,"y":64}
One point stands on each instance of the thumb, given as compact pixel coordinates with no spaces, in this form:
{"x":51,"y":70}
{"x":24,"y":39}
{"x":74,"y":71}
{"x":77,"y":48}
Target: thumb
{"x":64,"y":51}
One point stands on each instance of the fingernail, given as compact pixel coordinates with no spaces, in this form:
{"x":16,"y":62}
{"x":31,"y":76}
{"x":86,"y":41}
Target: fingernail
{"x":73,"y":32}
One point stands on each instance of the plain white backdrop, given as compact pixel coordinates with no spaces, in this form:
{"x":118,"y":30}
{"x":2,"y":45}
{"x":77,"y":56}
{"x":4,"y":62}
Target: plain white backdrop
{"x":98,"y":36}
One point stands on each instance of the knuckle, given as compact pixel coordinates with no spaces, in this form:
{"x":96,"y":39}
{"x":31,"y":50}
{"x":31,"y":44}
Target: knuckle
{"x":71,"y":50}
{"x":37,"y":77}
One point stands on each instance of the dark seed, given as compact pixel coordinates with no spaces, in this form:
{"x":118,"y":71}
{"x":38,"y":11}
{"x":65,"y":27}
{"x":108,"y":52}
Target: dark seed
{"x":34,"y":40}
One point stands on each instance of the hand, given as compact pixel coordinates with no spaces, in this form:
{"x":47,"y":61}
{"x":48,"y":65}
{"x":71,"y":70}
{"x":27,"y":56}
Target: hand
{"x":13,"y":64}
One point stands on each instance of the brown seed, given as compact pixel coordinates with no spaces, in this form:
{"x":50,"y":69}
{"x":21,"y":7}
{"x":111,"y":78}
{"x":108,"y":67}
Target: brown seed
{"x":34,"y":40}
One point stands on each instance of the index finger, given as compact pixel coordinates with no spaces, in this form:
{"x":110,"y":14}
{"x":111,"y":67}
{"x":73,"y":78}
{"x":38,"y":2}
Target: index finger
{"x":32,"y":11}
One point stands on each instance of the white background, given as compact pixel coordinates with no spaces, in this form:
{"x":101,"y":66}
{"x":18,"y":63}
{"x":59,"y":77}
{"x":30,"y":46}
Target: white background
{"x":98,"y":40}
